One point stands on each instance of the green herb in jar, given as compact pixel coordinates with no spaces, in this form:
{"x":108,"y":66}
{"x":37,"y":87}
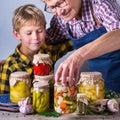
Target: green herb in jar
{"x":81,"y":104}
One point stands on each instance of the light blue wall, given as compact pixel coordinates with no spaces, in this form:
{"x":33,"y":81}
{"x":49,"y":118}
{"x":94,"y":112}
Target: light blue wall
{"x":7,"y":40}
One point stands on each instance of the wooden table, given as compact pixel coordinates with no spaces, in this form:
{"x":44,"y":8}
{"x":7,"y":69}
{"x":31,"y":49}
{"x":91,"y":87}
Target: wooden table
{"x":18,"y":116}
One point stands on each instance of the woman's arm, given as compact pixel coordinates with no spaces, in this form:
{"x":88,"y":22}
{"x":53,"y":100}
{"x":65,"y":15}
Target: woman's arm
{"x":70,"y":67}
{"x":106,"y":43}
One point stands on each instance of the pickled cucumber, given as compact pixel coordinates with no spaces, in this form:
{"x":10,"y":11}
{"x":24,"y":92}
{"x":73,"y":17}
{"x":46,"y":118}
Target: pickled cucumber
{"x":40,"y":101}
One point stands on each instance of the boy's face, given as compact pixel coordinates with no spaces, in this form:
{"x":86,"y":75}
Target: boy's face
{"x":66,"y":9}
{"x":32,"y":38}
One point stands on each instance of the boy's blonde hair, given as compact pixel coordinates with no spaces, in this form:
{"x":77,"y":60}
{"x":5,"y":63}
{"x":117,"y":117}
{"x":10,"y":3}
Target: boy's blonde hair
{"x":27,"y":14}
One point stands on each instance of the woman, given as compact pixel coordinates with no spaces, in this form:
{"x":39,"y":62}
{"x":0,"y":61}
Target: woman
{"x":94,"y":29}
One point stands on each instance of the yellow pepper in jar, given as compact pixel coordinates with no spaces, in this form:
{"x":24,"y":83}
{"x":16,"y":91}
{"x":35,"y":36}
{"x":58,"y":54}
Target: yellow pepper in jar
{"x":92,"y":84}
{"x":40,"y":101}
{"x":20,"y":86}
{"x":40,"y":97}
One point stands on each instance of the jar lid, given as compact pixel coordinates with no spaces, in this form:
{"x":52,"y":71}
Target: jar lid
{"x":42,"y":58}
{"x":20,"y":74}
{"x":91,"y":75}
{"x":61,"y":87}
{"x":67,"y":82}
{"x":82,"y":98}
{"x":45,"y":77}
{"x":39,"y":84}
{"x":81,"y":95}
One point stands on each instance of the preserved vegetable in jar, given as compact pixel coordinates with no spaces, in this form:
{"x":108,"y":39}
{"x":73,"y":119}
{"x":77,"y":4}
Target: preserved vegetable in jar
{"x":42,"y":64}
{"x":81,"y":104}
{"x":40,"y":100}
{"x":20,"y":86}
{"x":49,"y":79}
{"x":65,"y":98}
{"x":92,"y":84}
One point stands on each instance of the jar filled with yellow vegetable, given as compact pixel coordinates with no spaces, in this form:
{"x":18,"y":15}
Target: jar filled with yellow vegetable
{"x":92,"y":84}
{"x":20,"y":86}
{"x":40,"y":100}
{"x":65,"y":98}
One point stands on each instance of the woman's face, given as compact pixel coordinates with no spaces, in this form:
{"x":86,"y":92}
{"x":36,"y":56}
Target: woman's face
{"x":66,"y":9}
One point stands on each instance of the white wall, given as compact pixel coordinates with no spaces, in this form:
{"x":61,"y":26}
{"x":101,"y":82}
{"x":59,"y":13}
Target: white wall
{"x":7,"y":40}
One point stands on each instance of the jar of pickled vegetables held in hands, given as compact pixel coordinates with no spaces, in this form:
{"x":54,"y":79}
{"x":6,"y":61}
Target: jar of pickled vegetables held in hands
{"x":40,"y":99}
{"x":20,"y":86}
{"x":92,"y":84}
{"x":42,"y":64}
{"x":65,"y":98}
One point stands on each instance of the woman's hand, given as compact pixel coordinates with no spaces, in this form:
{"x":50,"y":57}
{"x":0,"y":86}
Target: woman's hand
{"x":69,"y":68}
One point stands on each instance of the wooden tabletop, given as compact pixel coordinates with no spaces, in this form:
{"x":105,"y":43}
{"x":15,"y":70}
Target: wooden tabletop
{"x":4,"y":115}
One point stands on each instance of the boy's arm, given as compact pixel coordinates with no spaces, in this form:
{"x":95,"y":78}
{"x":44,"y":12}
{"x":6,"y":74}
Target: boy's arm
{"x":4,"y":79}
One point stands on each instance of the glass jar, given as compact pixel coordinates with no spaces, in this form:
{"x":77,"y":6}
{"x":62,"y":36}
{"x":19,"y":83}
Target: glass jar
{"x":42,"y":64}
{"x":20,"y":86}
{"x":81,"y":104}
{"x":65,"y":98}
{"x":50,"y":80}
{"x":92,"y":84}
{"x":44,"y":79}
{"x":40,"y":98}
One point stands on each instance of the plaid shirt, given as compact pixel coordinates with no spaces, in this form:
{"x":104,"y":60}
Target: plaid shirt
{"x":19,"y":62}
{"x":106,"y":11}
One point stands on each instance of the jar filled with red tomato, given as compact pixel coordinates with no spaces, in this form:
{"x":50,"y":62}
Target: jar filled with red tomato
{"x":42,"y":64}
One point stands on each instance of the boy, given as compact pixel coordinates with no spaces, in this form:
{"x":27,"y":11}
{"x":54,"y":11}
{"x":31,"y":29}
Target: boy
{"x":29,"y":28}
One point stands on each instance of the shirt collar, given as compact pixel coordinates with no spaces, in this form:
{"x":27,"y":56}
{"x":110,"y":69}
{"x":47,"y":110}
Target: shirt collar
{"x":86,"y":14}
{"x":22,"y":57}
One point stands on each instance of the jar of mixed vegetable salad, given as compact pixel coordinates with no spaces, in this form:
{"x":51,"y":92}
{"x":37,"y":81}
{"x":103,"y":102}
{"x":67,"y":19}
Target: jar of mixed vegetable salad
{"x":65,"y":98}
